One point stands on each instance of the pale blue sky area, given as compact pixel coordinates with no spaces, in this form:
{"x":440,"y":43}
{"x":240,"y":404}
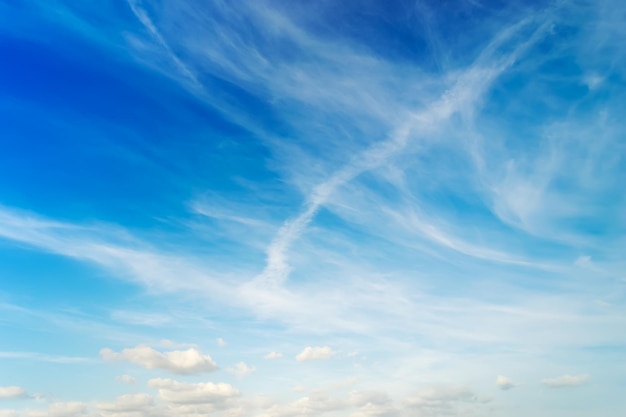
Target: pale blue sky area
{"x":329,"y":208}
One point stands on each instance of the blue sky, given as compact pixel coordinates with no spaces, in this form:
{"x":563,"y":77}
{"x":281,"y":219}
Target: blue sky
{"x":342,"y":209}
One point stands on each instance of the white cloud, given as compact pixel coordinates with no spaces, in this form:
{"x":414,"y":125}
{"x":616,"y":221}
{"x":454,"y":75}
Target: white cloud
{"x":63,"y":409}
{"x":505,"y":383}
{"x":462,"y":96}
{"x":376,"y":410}
{"x":103,"y":247}
{"x":315,"y":353}
{"x":433,"y":315}
{"x":190,"y":361}
{"x":372,"y":404}
{"x":566,"y":381}
{"x":443,"y":401}
{"x":242,"y":369}
{"x":360,"y":398}
{"x":273,"y":355}
{"x":313,"y":405}
{"x":221,"y":342}
{"x":142,"y":15}
{"x":127,"y":403}
{"x":12,"y":392}
{"x":42,"y":357}
{"x":189,"y":393}
{"x":126,"y":379}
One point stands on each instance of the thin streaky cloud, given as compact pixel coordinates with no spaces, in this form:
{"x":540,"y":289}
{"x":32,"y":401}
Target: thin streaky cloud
{"x":416,"y":209}
{"x":43,"y":357}
{"x":464,"y":93}
{"x":144,"y":18}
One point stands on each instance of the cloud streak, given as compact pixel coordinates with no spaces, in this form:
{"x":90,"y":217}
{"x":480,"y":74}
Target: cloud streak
{"x":471,"y":84}
{"x":566,"y":381}
{"x":448,"y":206}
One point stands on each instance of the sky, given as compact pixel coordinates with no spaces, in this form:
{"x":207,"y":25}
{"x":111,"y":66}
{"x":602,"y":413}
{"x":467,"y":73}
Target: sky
{"x":312,"y":208}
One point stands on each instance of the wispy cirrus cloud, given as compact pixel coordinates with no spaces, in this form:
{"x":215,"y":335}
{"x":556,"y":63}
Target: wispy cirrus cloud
{"x":146,"y":21}
{"x":43,"y":357}
{"x":429,"y":215}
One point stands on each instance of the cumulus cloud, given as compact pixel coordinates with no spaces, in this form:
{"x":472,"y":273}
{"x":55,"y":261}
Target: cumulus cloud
{"x":273,"y":355}
{"x":313,"y":405}
{"x":242,"y":369}
{"x":12,"y":392}
{"x":126,"y":379}
{"x":189,"y":393}
{"x":376,"y":410}
{"x":190,"y":361}
{"x":315,"y":353}
{"x":505,"y":383}
{"x":62,"y":409}
{"x":372,"y":404}
{"x":566,"y":381}
{"x":221,"y":342}
{"x":127,"y":403}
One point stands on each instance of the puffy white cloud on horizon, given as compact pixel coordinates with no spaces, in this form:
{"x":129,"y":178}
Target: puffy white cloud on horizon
{"x":12,"y":392}
{"x":127,"y":403}
{"x":190,"y":393}
{"x":566,"y":381}
{"x":190,"y":361}
{"x":186,"y":399}
{"x":221,"y":342}
{"x":317,"y":403}
{"x":273,"y":355}
{"x":505,"y":383}
{"x":242,"y":369}
{"x":372,"y":404}
{"x":62,"y":409}
{"x":315,"y":353}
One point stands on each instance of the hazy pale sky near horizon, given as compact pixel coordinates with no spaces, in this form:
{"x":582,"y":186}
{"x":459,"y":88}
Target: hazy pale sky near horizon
{"x":312,"y":208}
